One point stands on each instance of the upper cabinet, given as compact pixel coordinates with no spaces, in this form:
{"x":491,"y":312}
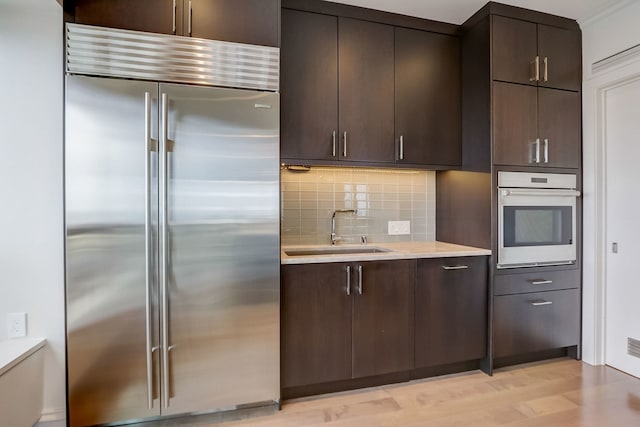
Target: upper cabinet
{"x":427,"y":98}
{"x":360,"y":92}
{"x":521,"y":80}
{"x":535,"y":54}
{"x":365,"y":91}
{"x":242,"y":21}
{"x":309,"y":86}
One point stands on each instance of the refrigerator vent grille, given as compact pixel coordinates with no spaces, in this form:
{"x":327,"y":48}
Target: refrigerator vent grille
{"x":147,"y":56}
{"x":633,"y":347}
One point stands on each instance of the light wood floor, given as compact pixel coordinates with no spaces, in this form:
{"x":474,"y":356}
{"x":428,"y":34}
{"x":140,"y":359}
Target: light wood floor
{"x":562,"y":392}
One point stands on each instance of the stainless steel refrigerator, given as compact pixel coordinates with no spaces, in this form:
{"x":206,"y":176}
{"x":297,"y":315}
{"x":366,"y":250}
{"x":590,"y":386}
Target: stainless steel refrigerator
{"x":172,"y":236}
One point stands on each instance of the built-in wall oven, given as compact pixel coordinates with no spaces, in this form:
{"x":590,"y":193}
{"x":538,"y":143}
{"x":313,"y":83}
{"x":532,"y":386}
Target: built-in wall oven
{"x":536,"y":219}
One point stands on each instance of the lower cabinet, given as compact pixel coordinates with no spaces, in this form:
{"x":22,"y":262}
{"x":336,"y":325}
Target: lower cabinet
{"x":536,"y":321}
{"x":451,"y":310}
{"x":346,"y":320}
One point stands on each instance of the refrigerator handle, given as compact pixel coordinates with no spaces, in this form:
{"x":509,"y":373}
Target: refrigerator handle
{"x":148,"y":250}
{"x":164,"y":309}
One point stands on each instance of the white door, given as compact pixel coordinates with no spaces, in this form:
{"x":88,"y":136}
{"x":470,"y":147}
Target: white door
{"x":622,"y":129}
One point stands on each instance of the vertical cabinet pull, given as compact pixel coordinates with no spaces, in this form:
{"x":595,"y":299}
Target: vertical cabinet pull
{"x":536,"y":159}
{"x":401,"y":154}
{"x":174,"y":17}
{"x":546,"y":69}
{"x":190,"y":16}
{"x":546,"y":150}
{"x":536,"y":70}
{"x":344,"y":147}
{"x":360,"y":280}
{"x":348,"y":280}
{"x":333,"y":141}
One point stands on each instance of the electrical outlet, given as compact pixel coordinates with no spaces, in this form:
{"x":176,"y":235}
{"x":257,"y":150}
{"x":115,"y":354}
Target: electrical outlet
{"x":17,"y":325}
{"x":399,"y":227}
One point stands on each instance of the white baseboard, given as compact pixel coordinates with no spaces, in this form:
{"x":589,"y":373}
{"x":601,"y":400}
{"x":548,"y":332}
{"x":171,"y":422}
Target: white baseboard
{"x":52,"y":418}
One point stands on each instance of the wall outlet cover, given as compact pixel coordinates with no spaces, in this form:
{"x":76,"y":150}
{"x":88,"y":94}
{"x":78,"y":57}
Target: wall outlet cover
{"x":396,"y":228}
{"x":17,"y":325}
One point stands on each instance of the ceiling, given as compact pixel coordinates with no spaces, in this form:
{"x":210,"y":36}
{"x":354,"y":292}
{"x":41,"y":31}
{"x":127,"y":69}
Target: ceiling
{"x":457,"y":11}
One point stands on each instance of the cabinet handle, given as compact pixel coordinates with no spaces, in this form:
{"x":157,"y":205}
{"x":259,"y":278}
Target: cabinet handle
{"x":401,"y":147}
{"x":333,"y":141}
{"x":360,"y":279}
{"x":455,"y":267}
{"x":541,"y":282}
{"x":541,"y":302}
{"x":190,"y":17}
{"x":537,"y":158}
{"x":536,"y":70}
{"x":344,"y":147}
{"x":546,"y":150}
{"x":546,"y":69}
{"x":174,"y":17}
{"x":348,"y":280}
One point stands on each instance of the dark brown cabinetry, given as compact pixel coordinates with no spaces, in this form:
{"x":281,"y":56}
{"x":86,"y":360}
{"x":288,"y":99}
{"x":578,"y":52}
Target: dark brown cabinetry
{"x":365,"y":82}
{"x":343,"y":321}
{"x":538,"y":54}
{"x":309,"y":88}
{"x":451,"y":310}
{"x":316,"y":324}
{"x":535,"y":126}
{"x":360,"y":91}
{"x":531,"y":322}
{"x":329,"y":65}
{"x":242,"y":21}
{"x":427,"y":98}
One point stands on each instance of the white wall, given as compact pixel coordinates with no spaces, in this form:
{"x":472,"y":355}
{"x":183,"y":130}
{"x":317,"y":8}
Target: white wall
{"x":608,"y":34}
{"x":31,"y":210}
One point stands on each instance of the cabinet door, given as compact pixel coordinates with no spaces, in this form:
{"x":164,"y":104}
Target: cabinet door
{"x":242,"y":21}
{"x":559,"y":127}
{"x":427,"y":98}
{"x":515,"y":124}
{"x":309,"y":80}
{"x":155,"y":16}
{"x":525,"y":323}
{"x":514,"y":49}
{"x":451,"y":310}
{"x":315,"y":324}
{"x":383,"y":317}
{"x":561,"y":49}
{"x":365,"y":70}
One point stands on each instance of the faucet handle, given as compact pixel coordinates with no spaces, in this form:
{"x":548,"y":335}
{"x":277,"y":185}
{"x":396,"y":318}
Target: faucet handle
{"x":363,"y":239}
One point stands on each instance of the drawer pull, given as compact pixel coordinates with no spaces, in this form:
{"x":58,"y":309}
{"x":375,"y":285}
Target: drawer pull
{"x":455,"y":267}
{"x":541,"y":302}
{"x":541,"y":282}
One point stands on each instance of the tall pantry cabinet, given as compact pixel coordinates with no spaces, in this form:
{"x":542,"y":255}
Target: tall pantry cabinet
{"x":521,"y":111}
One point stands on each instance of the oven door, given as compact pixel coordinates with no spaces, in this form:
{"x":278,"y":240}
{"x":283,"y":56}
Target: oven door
{"x":536,"y":227}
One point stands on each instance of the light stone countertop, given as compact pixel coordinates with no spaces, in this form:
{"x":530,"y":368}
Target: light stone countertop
{"x":13,"y":351}
{"x":397,"y":250}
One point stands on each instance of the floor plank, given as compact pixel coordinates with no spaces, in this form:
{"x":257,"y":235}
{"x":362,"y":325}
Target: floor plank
{"x":557,"y":393}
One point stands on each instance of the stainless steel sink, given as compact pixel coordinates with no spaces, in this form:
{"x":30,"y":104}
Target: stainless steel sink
{"x":335,"y":251}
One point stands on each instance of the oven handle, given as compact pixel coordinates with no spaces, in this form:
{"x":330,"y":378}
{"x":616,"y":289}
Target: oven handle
{"x":540,"y":192}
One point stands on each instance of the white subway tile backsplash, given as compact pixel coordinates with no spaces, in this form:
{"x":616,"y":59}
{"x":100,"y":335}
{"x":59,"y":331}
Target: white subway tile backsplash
{"x":309,"y":199}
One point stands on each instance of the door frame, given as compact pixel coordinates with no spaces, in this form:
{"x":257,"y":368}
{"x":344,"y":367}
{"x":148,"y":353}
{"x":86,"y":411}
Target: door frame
{"x":615,"y":73}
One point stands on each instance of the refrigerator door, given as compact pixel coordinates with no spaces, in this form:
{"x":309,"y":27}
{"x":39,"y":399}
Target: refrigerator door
{"x":221,"y":244}
{"x":109,"y":214}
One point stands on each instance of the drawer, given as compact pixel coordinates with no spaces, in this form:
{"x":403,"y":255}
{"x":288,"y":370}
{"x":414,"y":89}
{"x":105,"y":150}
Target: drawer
{"x":537,"y":321}
{"x":507,"y":284}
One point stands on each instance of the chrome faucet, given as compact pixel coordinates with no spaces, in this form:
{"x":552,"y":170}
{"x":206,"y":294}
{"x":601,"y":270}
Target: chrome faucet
{"x":335,"y":238}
